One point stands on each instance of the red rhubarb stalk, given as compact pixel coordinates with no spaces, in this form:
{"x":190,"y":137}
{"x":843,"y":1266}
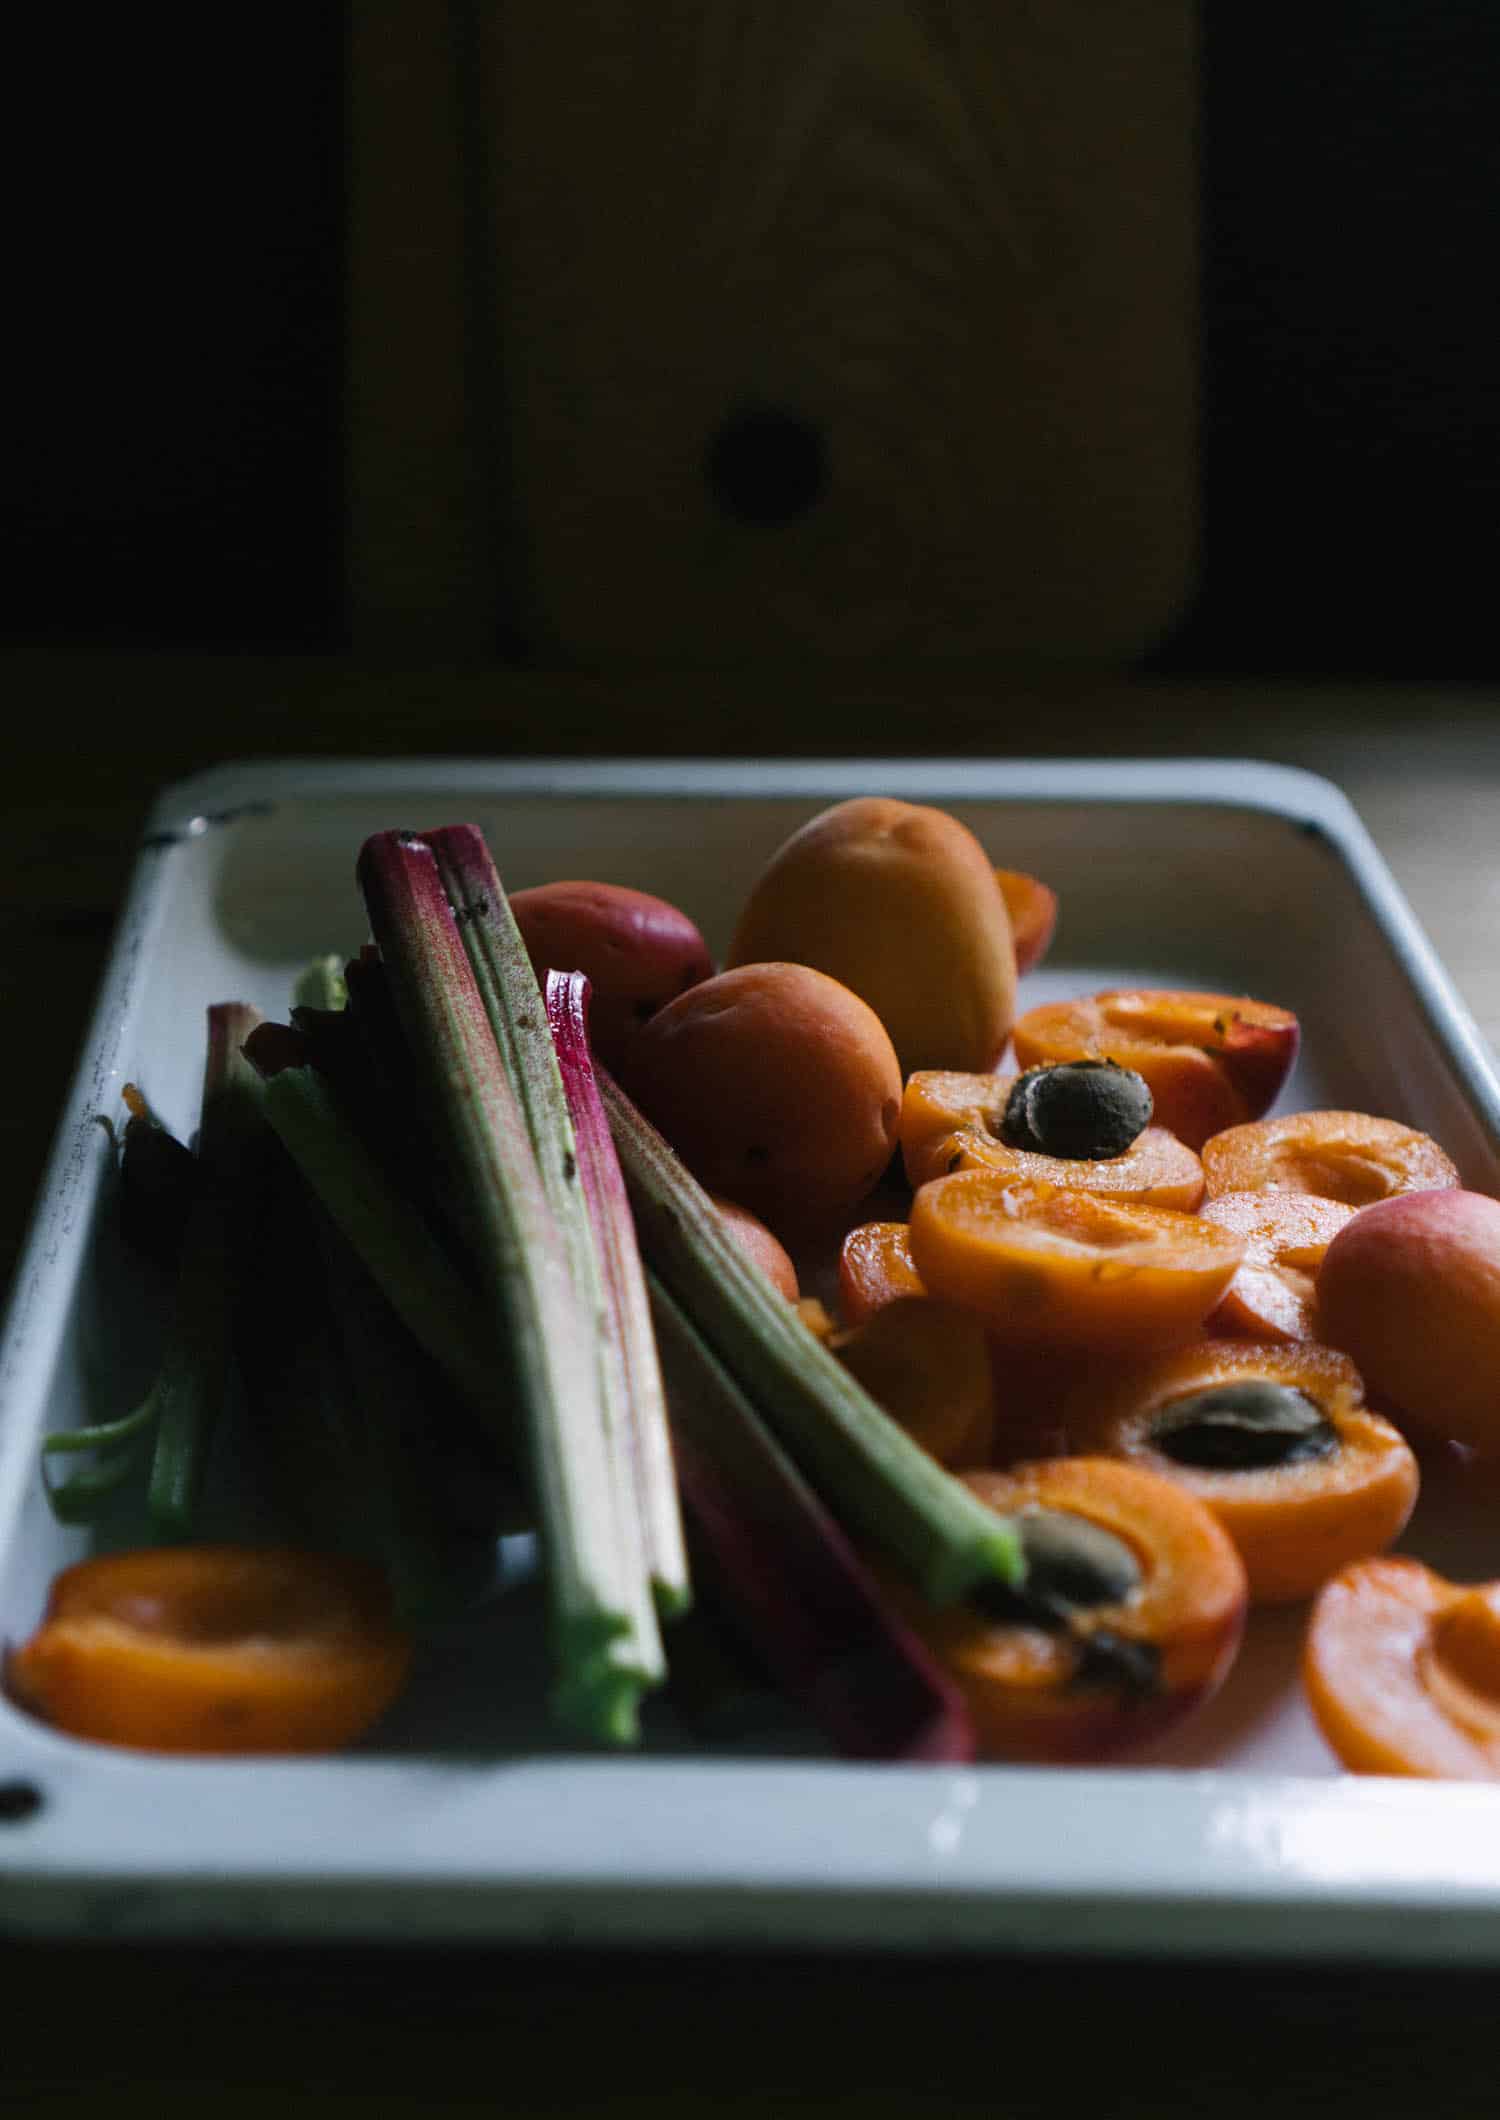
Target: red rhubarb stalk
{"x":630,"y":1345}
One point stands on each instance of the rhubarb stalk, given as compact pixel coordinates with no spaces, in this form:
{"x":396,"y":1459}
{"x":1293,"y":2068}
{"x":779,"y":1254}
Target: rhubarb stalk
{"x":789,"y":1578}
{"x":599,"y":1604}
{"x":867,"y":1469}
{"x":633,"y":1372}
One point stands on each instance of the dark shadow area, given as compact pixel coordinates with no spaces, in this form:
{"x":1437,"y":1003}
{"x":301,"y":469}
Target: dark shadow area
{"x":174,"y":452}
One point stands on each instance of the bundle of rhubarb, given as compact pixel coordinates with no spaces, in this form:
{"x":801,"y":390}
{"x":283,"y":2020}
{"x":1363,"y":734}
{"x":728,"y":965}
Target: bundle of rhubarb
{"x":986,"y":1363}
{"x":408,"y":1228}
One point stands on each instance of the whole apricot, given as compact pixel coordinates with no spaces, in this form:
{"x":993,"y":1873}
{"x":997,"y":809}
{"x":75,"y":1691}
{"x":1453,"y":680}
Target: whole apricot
{"x":1409,"y":1288}
{"x":762,"y":1245}
{"x":777,"y":1086}
{"x":639,"y":951}
{"x":899,"y":902}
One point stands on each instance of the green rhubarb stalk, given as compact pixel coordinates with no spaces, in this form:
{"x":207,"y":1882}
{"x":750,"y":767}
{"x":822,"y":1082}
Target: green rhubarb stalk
{"x":416,"y":1275}
{"x":868,"y":1470}
{"x":634,"y":1372}
{"x":603,"y":1659}
{"x":179,"y":1413}
{"x":526,"y":1041}
{"x":229,"y":1139}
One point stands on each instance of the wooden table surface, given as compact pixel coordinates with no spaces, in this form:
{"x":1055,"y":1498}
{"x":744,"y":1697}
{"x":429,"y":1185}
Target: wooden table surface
{"x":444,"y":2030}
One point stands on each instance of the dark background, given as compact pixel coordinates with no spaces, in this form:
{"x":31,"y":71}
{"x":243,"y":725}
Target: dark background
{"x":175,"y":262}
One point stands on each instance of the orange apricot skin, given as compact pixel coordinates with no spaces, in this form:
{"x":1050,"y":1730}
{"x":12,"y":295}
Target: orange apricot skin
{"x":1273,"y":1296}
{"x":1032,"y":906}
{"x":777,"y":1086}
{"x":1293,"y":1526}
{"x":762,"y":1245}
{"x":639,"y":951}
{"x":898,"y":901}
{"x":1410,"y":1289}
{"x":1045,"y":1264}
{"x":1401,"y":1669}
{"x":1209,"y":1060}
{"x":1353,"y":1157}
{"x":1021,"y":1683}
{"x":929,"y":1367}
{"x":214,"y":1649}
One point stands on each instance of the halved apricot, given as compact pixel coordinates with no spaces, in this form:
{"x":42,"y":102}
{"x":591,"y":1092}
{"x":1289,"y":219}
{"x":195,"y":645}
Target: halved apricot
{"x":1032,"y":906}
{"x":1042,"y":1263}
{"x":1028,"y":1385}
{"x":214,"y":1649}
{"x":1211,"y":1060}
{"x":1158,"y":1170}
{"x":1348,"y":1156}
{"x":1402,"y":1671}
{"x":1273,"y":1296}
{"x":952,"y":1121}
{"x":875,"y":1268}
{"x":1276,"y":1440}
{"x":1132,"y":1613}
{"x":928,"y":1365}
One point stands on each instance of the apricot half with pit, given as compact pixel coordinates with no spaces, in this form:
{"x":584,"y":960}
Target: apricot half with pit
{"x":899,"y":902}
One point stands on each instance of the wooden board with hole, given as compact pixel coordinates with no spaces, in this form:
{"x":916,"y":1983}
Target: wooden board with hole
{"x":842,"y":330}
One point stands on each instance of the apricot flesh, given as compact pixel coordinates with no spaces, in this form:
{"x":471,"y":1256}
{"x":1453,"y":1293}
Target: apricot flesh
{"x":777,"y":1086}
{"x":1410,"y":1290}
{"x":1402,"y":1671}
{"x":899,"y":902}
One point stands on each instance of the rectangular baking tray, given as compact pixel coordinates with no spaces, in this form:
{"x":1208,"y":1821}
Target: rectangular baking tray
{"x":465,"y":1817}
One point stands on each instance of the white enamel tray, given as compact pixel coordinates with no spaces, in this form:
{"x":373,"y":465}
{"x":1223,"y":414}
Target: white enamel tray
{"x":464,"y":1817}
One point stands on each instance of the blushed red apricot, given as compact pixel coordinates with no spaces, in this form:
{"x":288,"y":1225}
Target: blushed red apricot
{"x":777,"y":1086}
{"x":639,"y":951}
{"x":762,"y":1245}
{"x":1273,"y":1295}
{"x":1210,"y":1060}
{"x":1410,"y":1289}
{"x":1341,"y":1488}
{"x":899,"y":902}
{"x":1349,"y":1156}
